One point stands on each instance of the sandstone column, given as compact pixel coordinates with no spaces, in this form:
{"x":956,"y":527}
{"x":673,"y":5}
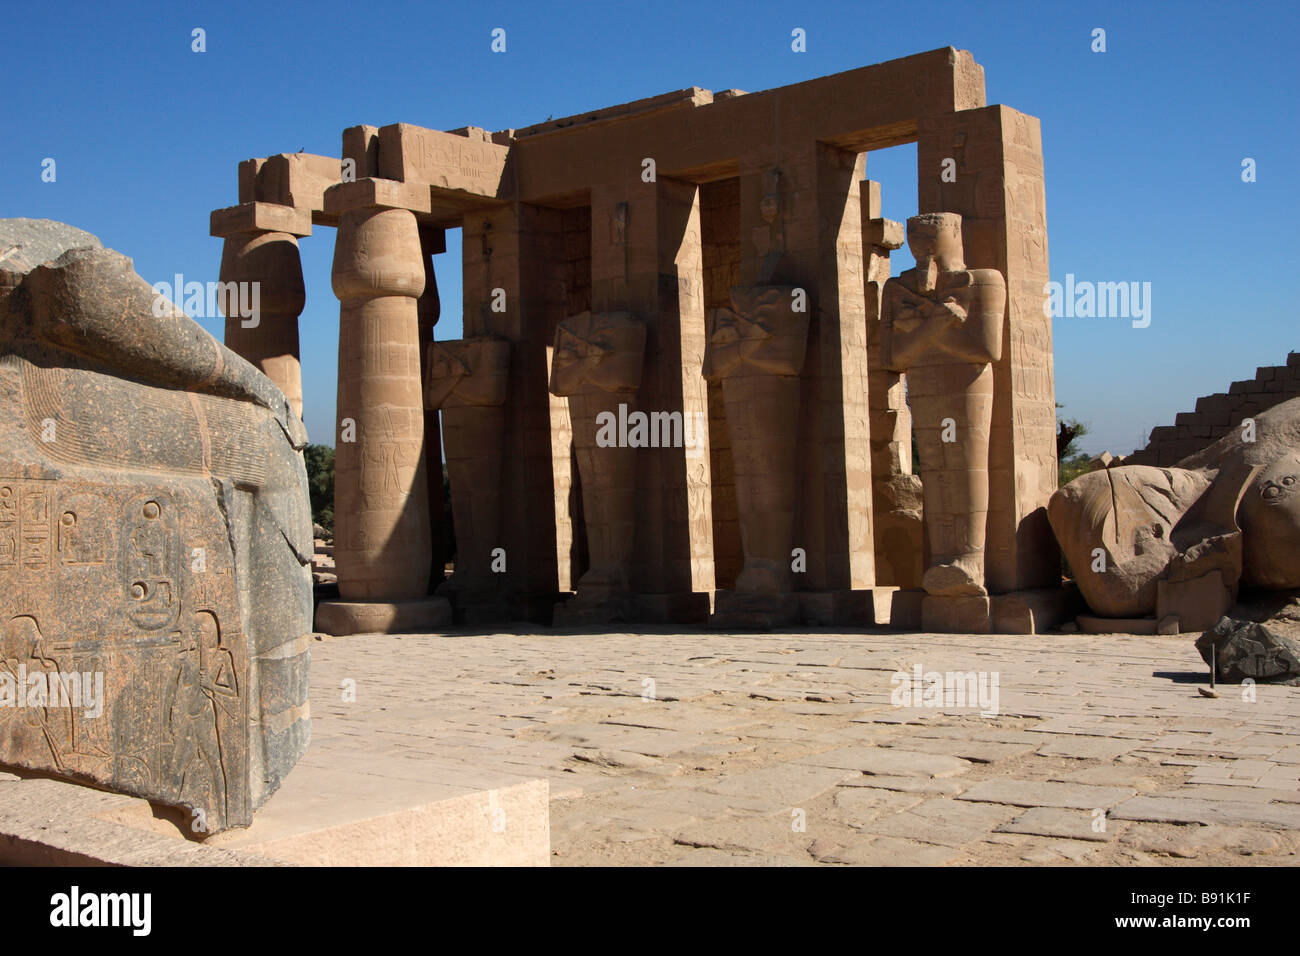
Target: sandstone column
{"x":801,"y":227}
{"x":382,"y":548}
{"x":260,"y":256}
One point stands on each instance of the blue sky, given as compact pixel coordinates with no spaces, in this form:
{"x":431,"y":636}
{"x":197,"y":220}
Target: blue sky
{"x":1143,"y":143}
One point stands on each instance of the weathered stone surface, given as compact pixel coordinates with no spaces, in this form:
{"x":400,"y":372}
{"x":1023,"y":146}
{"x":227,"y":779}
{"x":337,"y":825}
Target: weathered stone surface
{"x":859,"y":805}
{"x":886,"y":851}
{"x":339,"y":618}
{"x":1060,"y":822}
{"x":755,"y":351}
{"x":1086,"y":748}
{"x":468,"y":380}
{"x":1025,"y":793}
{"x":1244,"y":650}
{"x":598,"y":364}
{"x":891,"y":762}
{"x":781,"y":787}
{"x":433,"y":713}
{"x":1159,"y":809}
{"x":1181,"y":541}
{"x":943,"y":326}
{"x":28,"y":243}
{"x":155,"y":535}
{"x":908,"y":784}
{"x":1189,"y":842}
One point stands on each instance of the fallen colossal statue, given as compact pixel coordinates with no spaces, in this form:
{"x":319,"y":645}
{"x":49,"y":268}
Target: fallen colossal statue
{"x":155,"y":535}
{"x":1183,"y":541}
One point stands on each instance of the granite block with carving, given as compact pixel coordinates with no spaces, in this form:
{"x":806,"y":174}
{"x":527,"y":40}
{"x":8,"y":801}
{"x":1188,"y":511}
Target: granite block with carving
{"x":155,"y":541}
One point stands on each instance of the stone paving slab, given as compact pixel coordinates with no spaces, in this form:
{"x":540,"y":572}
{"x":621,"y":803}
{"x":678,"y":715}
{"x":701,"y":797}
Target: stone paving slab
{"x":1198,"y":810}
{"x":1059,"y":822}
{"x":890,"y":762}
{"x":784,"y":748}
{"x":1040,"y":793}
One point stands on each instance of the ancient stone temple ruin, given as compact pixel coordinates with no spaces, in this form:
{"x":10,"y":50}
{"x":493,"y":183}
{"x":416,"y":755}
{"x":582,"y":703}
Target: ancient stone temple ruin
{"x":686,"y":391}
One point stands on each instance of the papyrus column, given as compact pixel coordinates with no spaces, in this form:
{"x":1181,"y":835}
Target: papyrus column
{"x":260,"y":258}
{"x":382,"y":548}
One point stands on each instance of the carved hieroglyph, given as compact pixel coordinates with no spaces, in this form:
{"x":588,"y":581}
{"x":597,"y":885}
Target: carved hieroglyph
{"x":943,"y":327}
{"x":597,"y":366}
{"x":155,"y":541}
{"x":468,"y":381}
{"x":755,"y":350}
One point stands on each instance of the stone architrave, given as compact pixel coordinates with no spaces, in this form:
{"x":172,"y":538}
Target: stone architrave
{"x":155,"y":541}
{"x":598,"y":363}
{"x":261,"y":268}
{"x":943,"y":327}
{"x":755,"y":350}
{"x":468,"y":381}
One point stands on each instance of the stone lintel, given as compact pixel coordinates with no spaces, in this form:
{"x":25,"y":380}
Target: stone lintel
{"x":289,"y":179}
{"x":885,"y":233}
{"x":864,"y":109}
{"x":692,"y":96}
{"x":456,"y":167}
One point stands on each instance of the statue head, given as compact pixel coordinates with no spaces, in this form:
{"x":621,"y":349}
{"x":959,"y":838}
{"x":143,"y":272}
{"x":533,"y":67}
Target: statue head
{"x":935,"y":241}
{"x":605,"y":350}
{"x":467,"y":372}
{"x":207,"y":631}
{"x":1269,"y":515}
{"x":766,"y":329}
{"x":22,"y":639}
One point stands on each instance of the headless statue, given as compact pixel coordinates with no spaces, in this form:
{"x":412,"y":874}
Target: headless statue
{"x":942,"y":325}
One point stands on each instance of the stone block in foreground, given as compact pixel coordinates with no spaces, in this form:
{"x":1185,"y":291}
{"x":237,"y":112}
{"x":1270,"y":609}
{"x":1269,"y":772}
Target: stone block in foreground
{"x":155,"y":541}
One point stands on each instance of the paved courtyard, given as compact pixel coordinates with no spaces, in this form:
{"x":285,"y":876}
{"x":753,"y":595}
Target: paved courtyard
{"x":785,"y":748}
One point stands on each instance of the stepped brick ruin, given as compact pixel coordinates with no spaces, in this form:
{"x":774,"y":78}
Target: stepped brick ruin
{"x":1218,"y":414}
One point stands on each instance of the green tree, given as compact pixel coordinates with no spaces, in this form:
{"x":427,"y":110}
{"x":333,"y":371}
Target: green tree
{"x":320,"y":484}
{"x":1071,"y":462}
